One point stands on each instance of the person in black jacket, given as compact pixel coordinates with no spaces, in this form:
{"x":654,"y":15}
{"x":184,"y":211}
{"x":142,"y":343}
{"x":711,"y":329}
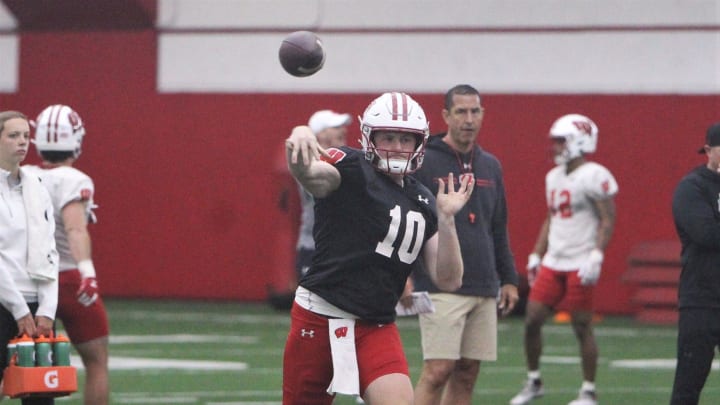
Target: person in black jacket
{"x":696,"y":211}
{"x":462,"y":331}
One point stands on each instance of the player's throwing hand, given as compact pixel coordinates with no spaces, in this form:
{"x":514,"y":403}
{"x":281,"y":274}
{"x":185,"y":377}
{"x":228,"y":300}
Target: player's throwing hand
{"x":303,"y":144}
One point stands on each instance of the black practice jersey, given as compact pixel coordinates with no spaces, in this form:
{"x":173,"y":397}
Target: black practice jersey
{"x":368,"y":235}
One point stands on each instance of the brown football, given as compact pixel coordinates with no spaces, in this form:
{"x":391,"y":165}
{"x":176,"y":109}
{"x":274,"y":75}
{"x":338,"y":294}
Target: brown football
{"x":301,"y":53}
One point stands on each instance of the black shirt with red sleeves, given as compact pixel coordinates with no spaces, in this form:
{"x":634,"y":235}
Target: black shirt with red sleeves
{"x":368,"y":233}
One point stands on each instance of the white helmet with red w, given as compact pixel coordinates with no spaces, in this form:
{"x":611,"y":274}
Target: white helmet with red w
{"x":394,"y":112}
{"x":580,"y":134}
{"x":59,"y":128}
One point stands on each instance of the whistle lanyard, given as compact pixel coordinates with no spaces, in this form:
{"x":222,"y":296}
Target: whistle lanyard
{"x":464,"y":169}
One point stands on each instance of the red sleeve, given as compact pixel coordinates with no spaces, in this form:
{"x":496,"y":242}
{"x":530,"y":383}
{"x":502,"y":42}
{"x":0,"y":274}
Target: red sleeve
{"x":336,"y":155}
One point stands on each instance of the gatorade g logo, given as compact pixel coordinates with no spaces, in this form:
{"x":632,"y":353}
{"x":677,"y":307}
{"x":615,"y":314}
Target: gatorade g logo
{"x":51,"y":379}
{"x":341,"y":332}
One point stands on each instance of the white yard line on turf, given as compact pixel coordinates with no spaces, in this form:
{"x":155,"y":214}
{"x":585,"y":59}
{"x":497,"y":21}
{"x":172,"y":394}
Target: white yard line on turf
{"x":204,"y":317}
{"x":655,"y":364}
{"x":133,"y":363}
{"x":182,"y":338}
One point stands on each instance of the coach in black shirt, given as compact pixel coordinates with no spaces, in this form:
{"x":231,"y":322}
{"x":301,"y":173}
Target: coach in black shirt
{"x":696,"y":211}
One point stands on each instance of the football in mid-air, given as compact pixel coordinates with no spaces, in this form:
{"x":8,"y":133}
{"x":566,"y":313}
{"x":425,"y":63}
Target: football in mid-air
{"x":301,"y":53}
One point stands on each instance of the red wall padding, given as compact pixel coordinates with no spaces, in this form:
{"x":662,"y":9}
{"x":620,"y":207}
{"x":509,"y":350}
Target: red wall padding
{"x":189,"y":188}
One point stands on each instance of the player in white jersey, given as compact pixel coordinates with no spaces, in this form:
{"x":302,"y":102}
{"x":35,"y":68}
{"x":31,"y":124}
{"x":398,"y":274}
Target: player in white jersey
{"x":573,"y":233}
{"x":568,"y":255}
{"x":58,"y":137}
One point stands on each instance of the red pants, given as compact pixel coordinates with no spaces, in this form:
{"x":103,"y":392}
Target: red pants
{"x":551,"y":286}
{"x":307,"y":363}
{"x":81,"y":323}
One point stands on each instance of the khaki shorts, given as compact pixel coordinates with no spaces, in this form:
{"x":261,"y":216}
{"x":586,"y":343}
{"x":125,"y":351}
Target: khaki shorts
{"x":461,"y":326}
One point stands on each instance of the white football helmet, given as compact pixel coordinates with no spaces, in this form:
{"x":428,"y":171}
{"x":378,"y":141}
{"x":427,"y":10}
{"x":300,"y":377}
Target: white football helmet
{"x":580,"y":134}
{"x":394,"y":112}
{"x":59,"y":128}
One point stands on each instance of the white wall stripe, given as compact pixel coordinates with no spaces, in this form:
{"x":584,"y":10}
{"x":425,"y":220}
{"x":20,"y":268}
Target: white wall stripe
{"x":523,"y":46}
{"x":585,"y":62}
{"x":9,"y":63}
{"x":379,"y":14}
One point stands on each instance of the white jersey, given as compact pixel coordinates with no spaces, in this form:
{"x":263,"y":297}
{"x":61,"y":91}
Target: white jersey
{"x":574,"y":222}
{"x":66,"y":184}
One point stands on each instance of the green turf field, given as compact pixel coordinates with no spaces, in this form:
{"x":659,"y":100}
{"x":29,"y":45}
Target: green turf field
{"x":229,"y":353}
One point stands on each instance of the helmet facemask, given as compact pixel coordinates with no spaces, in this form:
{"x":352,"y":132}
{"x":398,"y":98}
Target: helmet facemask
{"x":394,"y":112}
{"x":380,"y":158}
{"x":569,"y":152}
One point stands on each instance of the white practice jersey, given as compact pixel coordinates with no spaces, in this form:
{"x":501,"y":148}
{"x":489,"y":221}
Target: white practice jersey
{"x":574,"y":222}
{"x":66,"y":184}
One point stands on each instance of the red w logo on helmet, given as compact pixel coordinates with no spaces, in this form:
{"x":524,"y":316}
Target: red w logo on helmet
{"x":74,"y":119}
{"x":583,"y":126}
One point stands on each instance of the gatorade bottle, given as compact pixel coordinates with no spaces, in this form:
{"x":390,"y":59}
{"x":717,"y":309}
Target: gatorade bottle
{"x":25,"y":347}
{"x":43,"y":351}
{"x":61,"y":350}
{"x":11,"y":351}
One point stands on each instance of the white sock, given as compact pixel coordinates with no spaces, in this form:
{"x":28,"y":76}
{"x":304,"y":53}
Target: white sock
{"x":534,"y":374}
{"x":587,"y":386}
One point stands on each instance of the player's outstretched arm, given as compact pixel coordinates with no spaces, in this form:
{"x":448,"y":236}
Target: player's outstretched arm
{"x":606,"y":211}
{"x":541,"y":244}
{"x":303,"y":156}
{"x":442,"y":252}
{"x":74,"y":216}
{"x":589,"y":271}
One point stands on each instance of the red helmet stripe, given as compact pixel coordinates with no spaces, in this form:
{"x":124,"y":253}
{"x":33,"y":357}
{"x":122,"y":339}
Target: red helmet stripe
{"x":49,"y":127}
{"x":395,"y":104}
{"x":55,"y":121}
{"x":47,"y":131}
